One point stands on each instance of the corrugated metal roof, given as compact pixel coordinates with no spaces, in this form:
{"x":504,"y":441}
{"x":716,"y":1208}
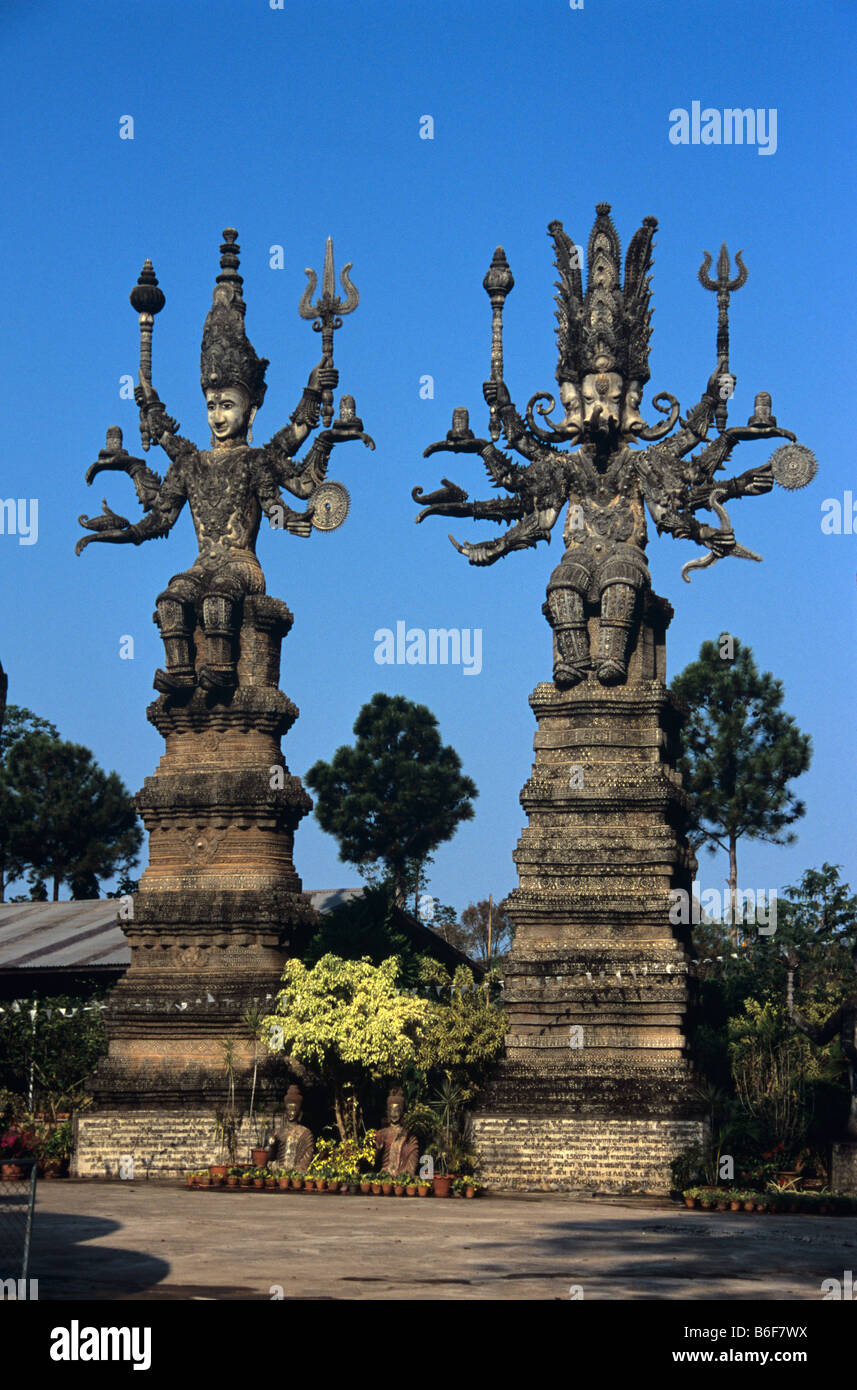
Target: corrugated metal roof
{"x":46,"y":936}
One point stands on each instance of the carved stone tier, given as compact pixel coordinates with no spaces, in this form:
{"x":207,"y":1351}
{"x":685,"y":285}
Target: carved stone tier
{"x":220,"y":908}
{"x":597,"y":988}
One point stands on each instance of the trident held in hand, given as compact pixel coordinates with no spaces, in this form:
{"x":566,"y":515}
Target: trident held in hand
{"x":147,"y":299}
{"x":327,"y":312}
{"x":724,"y":287}
{"x":498,"y":282}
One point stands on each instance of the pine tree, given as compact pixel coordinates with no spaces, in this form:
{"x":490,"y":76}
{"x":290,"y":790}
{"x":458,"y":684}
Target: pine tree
{"x":740,"y":750}
{"x":394,"y":796}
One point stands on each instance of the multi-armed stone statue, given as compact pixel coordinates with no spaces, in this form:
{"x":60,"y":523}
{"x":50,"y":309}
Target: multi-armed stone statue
{"x":220,"y":905}
{"x":596,"y":1089}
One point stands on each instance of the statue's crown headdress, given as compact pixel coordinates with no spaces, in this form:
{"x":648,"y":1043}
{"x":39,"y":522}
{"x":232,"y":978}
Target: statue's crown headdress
{"x":607,"y":329}
{"x":228,"y":357}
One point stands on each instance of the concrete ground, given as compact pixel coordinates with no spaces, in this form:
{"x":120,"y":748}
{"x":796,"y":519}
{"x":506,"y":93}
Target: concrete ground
{"x":130,"y":1240}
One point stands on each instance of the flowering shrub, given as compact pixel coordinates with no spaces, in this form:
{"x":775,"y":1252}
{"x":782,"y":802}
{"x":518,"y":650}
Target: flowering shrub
{"x":17,"y":1143}
{"x":341,"y":1160}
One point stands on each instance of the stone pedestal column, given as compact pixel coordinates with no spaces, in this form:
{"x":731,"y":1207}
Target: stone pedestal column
{"x":219,"y":910}
{"x":843,"y":1168}
{"x":596,"y":1090}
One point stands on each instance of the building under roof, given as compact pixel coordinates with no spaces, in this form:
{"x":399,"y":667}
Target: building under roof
{"x":80,"y":947}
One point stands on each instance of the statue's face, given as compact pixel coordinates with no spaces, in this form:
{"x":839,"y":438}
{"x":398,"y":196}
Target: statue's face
{"x":293,"y":1110}
{"x":394,"y":1111}
{"x":229,"y":413}
{"x":569,"y":395}
{"x":602,"y":398}
{"x":631,"y":413}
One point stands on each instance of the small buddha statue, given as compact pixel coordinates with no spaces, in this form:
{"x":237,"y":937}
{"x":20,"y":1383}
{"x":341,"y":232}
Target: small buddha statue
{"x":292,"y":1145}
{"x":396,"y":1150}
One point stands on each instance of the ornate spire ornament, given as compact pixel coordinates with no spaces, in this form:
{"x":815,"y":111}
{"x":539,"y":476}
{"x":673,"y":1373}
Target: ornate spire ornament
{"x":228,"y":357}
{"x":607,"y":329}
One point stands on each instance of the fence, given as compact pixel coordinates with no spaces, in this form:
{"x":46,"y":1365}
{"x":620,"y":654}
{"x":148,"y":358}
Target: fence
{"x":17,"y":1201}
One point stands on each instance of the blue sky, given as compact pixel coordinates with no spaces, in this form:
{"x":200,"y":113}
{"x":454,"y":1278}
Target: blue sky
{"x":304,"y":122}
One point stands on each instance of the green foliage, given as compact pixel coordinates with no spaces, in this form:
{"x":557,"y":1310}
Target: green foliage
{"x":348,"y":1021}
{"x":465,"y":1030}
{"x":394,"y":796}
{"x":64,"y":1050}
{"x":739,"y":751}
{"x":364,"y":928}
{"x":771,"y":1065}
{"x":63,"y":817}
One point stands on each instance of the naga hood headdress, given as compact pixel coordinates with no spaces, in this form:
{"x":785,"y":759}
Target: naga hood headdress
{"x":607,"y":329}
{"x":228,"y":357}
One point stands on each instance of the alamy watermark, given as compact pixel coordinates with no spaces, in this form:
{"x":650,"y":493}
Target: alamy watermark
{"x":14,"y":522}
{"x":753,"y":907}
{"x":439,"y":646}
{"x":731,"y":126}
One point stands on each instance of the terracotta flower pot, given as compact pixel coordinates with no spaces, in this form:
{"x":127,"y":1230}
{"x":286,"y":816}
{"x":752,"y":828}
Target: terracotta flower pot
{"x":690,"y":1202}
{"x":366,"y":1188}
{"x":298,"y":1184}
{"x":735,"y":1206}
{"x":260,"y":1157}
{"x":386,"y":1189}
{"x":245,"y":1182}
{"x":398,"y":1189}
{"x":749,"y":1206}
{"x":217,"y":1170}
{"x":441,"y":1185}
{"x":411,"y":1189}
{"x":259,"y":1183}
{"x":189,"y":1179}
{"x":376,"y":1189}
{"x":706,"y":1206}
{"x":283,"y":1184}
{"x":470,"y":1191}
{"x":231,"y":1180}
{"x":423,"y":1189}
{"x":10,"y":1172}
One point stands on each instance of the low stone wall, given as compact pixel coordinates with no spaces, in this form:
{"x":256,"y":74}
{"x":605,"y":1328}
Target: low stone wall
{"x":581,"y":1153}
{"x":158,"y":1143}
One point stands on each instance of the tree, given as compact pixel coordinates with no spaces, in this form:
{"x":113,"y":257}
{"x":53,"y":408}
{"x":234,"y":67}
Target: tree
{"x":70,"y":820}
{"x":18,"y":721}
{"x":394,"y":796}
{"x":740,"y":750}
{"x":475,"y":920}
{"x":348,"y":1021}
{"x":364,"y":929}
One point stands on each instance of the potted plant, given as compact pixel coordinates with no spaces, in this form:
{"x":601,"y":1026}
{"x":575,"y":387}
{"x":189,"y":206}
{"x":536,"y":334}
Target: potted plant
{"x":691,"y":1197}
{"x":471,"y":1187}
{"x":259,"y":1178}
{"x":366,"y":1180}
{"x":260,"y":1157}
{"x":203,"y":1178}
{"x":190,"y":1178}
{"x":377,"y":1186}
{"x":410,"y":1185}
{"x":217,"y":1172}
{"x":423,"y":1189}
{"x":399,"y":1184}
{"x":297,"y":1180}
{"x":246,"y":1179}
{"x":233,"y":1176}
{"x":386,"y":1184}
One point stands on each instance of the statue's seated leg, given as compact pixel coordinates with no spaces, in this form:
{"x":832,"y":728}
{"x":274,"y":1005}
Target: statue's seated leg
{"x":618,"y":613}
{"x":220,"y":620}
{"x":565,"y":613}
{"x":175,"y":624}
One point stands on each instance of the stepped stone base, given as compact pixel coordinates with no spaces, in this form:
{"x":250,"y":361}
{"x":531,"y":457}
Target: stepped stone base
{"x":591,"y":1153}
{"x":596,"y":1089}
{"x":160,"y":1143}
{"x":219,"y":911}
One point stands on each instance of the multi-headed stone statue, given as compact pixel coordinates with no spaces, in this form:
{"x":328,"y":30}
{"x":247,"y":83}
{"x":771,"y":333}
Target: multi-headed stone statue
{"x":292,"y":1146}
{"x":230,"y":485}
{"x":603,"y":337}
